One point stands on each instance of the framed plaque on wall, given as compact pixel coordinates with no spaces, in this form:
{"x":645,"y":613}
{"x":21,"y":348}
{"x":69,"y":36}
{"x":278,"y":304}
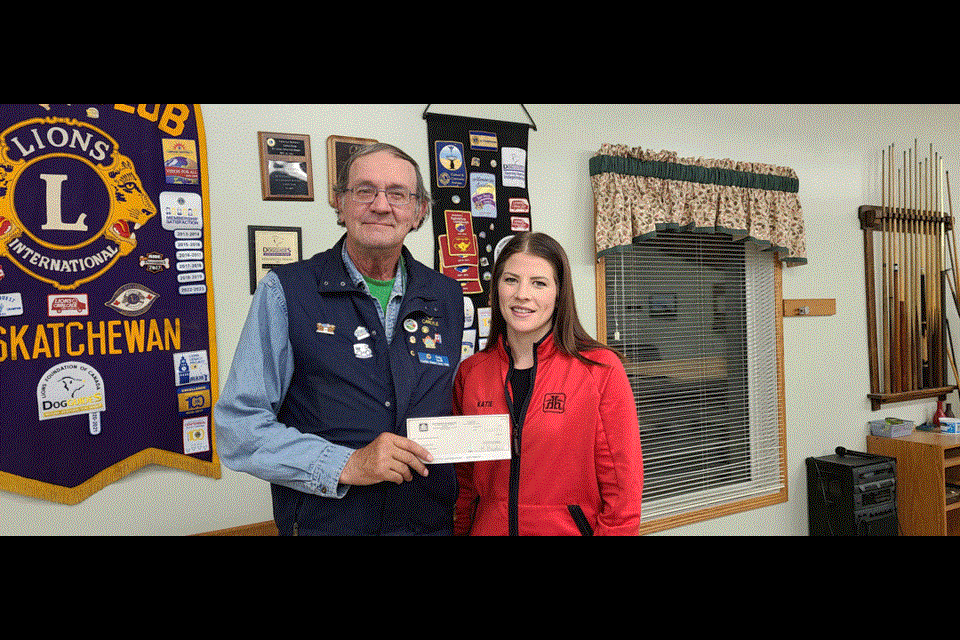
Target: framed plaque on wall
{"x":339,"y":148}
{"x":286,"y":169}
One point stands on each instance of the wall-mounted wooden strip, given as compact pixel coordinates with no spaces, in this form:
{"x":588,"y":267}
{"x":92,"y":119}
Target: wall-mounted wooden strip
{"x":810,"y":307}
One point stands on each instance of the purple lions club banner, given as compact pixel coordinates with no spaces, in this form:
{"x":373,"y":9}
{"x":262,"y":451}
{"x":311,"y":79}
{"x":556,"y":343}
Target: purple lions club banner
{"x":107,"y":347}
{"x":479,"y":184}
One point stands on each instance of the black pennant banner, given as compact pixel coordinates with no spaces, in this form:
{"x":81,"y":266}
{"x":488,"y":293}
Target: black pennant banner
{"x":479,"y":180}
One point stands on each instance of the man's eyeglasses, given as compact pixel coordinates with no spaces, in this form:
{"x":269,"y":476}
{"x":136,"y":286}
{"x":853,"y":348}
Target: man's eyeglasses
{"x":365,"y":194}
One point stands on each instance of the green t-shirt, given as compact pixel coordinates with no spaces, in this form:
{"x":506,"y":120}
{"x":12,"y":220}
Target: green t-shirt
{"x":380,"y":289}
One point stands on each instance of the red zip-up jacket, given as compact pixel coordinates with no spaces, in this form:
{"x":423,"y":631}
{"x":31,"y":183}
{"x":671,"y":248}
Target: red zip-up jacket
{"x":578,"y":468}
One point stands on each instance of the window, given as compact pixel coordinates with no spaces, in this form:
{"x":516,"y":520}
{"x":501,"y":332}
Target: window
{"x":697,"y":317}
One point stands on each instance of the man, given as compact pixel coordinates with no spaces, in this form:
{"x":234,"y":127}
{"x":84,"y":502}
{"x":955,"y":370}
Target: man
{"x":336,"y":353}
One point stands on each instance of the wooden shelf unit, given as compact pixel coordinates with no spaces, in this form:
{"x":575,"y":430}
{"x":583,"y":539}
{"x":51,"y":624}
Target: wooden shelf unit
{"x":926,"y":461}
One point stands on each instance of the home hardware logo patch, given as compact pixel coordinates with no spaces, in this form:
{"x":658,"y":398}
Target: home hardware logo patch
{"x":554,"y":402}
{"x":91,"y":203}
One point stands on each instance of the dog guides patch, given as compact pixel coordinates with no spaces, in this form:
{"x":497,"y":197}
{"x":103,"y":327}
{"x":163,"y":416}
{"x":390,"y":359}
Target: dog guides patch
{"x":72,"y":388}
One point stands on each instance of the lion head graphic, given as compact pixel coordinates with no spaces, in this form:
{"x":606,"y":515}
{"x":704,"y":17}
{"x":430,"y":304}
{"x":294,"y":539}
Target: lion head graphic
{"x":129,"y":204}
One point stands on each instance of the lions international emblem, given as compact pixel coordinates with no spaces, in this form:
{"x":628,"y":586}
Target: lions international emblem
{"x":70,"y":202}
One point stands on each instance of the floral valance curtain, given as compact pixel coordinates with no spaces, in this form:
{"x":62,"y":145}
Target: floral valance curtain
{"x":639,"y":192}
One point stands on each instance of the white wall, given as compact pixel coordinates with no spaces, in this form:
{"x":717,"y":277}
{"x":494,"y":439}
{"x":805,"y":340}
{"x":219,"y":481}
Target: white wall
{"x":835,"y":150}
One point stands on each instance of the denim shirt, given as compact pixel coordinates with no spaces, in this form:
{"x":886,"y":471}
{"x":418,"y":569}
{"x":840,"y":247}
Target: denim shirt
{"x":249,"y":437}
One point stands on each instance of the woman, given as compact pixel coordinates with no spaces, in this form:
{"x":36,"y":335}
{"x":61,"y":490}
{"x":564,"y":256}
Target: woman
{"x":576,"y":466}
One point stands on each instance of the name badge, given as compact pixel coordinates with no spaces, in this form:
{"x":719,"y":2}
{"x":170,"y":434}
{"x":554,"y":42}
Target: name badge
{"x":433,"y":358}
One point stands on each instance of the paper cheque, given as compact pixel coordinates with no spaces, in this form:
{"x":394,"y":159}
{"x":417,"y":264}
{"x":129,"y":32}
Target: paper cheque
{"x":462,"y":438}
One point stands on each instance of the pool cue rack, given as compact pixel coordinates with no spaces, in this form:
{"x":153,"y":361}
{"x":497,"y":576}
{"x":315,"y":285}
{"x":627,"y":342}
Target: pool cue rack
{"x":906,"y":321}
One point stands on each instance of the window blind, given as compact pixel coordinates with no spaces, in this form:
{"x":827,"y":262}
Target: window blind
{"x":695,"y":316}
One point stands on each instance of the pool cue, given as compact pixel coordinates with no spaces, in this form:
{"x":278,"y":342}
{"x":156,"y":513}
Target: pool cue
{"x":884,"y":235}
{"x":953,"y":236}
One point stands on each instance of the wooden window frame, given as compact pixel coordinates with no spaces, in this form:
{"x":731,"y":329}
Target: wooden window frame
{"x":740,"y":505}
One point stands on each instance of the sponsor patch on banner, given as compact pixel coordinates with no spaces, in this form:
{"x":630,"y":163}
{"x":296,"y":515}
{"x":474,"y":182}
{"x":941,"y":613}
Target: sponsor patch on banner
{"x":483,"y":195}
{"x":180,"y":161}
{"x":483,"y":141}
{"x":460,"y":239}
{"x":180,"y":210}
{"x":192,"y":367}
{"x":193,"y":399}
{"x":483,"y":322}
{"x":68,"y":389}
{"x":514,"y":167}
{"x":11,"y":304}
{"x":67,"y":304}
{"x":518,"y":223}
{"x":132,"y":299}
{"x":468,"y":344}
{"x":154,"y":262}
{"x":518,"y":205}
{"x":196,"y":435}
{"x":451,"y":170}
